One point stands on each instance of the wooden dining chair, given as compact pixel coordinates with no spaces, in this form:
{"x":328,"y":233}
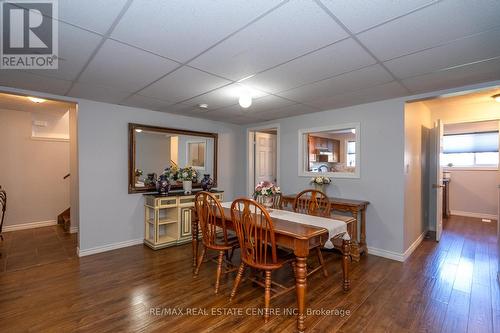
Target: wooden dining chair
{"x":3,"y":208}
{"x":313,"y":202}
{"x":215,"y":237}
{"x":255,"y":231}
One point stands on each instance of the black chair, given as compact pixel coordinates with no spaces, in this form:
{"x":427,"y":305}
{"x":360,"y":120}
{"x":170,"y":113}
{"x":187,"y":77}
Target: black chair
{"x":3,"y":207}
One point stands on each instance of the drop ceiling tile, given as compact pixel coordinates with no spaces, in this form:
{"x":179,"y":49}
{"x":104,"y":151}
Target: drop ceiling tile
{"x":356,"y":80}
{"x":267,"y":103}
{"x":184,"y":110}
{"x":442,"y":22}
{"x":290,"y":31}
{"x":95,"y":15}
{"x":24,"y":80}
{"x":372,"y":94}
{"x":124,"y":67}
{"x":182,"y":84}
{"x":75,"y":48}
{"x":225,"y":96}
{"x":233,"y":119}
{"x":181,"y":29}
{"x":456,"y":77}
{"x":285,"y":112}
{"x":359,"y":15}
{"x":146,"y":102}
{"x":460,"y":52}
{"x":338,"y":58}
{"x":97,"y":92}
{"x":228,"y":112}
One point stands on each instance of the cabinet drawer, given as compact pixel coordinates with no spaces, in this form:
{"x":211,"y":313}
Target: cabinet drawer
{"x":166,"y":202}
{"x":186,"y":201}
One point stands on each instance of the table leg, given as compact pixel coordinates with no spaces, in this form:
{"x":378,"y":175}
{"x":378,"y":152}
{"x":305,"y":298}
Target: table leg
{"x":301,"y":284}
{"x":346,"y":246}
{"x":194,"y":242}
{"x":362,"y":236}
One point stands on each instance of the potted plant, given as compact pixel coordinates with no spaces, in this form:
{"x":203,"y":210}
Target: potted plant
{"x":187,"y":176}
{"x":264,"y":193}
{"x":320,"y":182}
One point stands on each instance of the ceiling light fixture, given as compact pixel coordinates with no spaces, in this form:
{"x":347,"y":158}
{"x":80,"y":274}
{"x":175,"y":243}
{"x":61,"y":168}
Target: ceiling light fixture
{"x":245,"y":100}
{"x":496,"y":97}
{"x":138,"y":130}
{"x":203,"y":106}
{"x":36,"y":100}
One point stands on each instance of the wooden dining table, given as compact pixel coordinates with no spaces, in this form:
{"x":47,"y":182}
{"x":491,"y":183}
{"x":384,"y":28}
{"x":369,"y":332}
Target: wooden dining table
{"x":300,"y":238}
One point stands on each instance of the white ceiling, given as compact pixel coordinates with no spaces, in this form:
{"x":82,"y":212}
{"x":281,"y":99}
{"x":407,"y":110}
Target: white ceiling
{"x":295,"y":57}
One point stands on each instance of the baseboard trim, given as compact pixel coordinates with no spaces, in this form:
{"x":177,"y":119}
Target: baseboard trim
{"x":413,"y":246}
{"x":386,"y":254}
{"x":476,"y":215}
{"x":30,"y":225}
{"x":73,"y":230}
{"x":109,"y":247}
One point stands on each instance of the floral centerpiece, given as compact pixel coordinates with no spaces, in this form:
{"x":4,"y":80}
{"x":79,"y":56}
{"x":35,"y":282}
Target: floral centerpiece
{"x":320,"y":182}
{"x":187,"y":176}
{"x":265,"y":192}
{"x":171,"y":173}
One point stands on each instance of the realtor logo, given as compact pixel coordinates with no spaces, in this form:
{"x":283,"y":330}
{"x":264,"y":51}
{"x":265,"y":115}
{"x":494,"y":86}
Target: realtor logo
{"x":29,"y":34}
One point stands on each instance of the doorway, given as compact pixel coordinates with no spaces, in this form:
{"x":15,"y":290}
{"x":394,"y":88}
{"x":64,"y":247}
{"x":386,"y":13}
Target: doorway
{"x":263,"y":156}
{"x":452,"y":175}
{"x":39,"y":174}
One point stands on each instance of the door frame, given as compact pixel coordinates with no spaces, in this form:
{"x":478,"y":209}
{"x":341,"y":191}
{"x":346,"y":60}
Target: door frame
{"x":250,"y":152}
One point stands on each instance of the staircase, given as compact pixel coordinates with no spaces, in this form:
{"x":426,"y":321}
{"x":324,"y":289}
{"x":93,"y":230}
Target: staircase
{"x":64,"y":220}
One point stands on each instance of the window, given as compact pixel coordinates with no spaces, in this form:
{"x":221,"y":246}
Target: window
{"x":351,"y":153}
{"x":470,"y":150}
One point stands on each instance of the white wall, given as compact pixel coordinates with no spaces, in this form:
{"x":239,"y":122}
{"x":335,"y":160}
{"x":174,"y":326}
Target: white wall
{"x":381,"y":182}
{"x":108,"y":214}
{"x":32,"y":171}
{"x":474,"y":193}
{"x":417,"y":130}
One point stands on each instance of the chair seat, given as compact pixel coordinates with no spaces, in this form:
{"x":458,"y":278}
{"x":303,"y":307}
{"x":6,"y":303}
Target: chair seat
{"x":283,"y":257}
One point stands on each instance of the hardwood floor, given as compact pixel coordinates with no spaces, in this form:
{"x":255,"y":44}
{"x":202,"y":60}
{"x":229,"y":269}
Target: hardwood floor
{"x":449,"y":286}
{"x":33,"y":247}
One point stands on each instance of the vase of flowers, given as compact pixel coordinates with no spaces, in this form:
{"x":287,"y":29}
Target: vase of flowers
{"x":187,"y":176}
{"x":320,"y":182}
{"x":264,"y":193}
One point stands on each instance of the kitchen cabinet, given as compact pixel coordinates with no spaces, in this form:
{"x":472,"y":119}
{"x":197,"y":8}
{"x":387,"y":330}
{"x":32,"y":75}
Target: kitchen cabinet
{"x":318,"y":145}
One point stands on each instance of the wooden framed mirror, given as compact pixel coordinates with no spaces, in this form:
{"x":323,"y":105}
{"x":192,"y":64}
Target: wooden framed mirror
{"x":152,"y":149}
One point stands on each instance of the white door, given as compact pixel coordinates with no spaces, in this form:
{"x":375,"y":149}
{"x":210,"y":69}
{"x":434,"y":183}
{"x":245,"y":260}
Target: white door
{"x":436,"y":179}
{"x":265,"y":157}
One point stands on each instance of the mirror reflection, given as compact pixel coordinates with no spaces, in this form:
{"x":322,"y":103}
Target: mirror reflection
{"x":155,"y":151}
{"x":332,"y":151}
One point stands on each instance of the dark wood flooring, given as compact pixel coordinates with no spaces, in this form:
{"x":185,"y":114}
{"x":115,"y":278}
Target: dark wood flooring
{"x":449,"y":286}
{"x":33,"y":247}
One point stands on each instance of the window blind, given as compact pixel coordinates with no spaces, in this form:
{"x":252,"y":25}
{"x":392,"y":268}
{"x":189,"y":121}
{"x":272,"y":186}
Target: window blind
{"x":483,"y":142}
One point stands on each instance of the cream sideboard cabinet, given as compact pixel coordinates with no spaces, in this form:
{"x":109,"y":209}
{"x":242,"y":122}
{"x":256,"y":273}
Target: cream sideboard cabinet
{"x":167,"y":218}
